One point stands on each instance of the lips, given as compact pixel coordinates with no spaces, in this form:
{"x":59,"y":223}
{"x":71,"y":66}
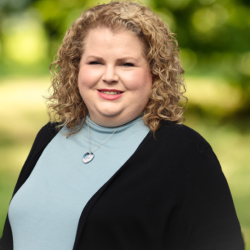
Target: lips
{"x":110,"y":94}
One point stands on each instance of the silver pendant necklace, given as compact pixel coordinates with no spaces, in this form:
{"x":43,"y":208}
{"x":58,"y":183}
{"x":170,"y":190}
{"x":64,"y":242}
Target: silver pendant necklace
{"x":89,"y":156}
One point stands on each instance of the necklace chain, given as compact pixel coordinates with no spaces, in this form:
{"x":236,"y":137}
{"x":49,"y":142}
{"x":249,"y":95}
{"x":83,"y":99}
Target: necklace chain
{"x":102,"y":142}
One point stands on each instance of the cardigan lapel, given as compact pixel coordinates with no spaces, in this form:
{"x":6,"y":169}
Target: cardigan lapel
{"x":99,"y":193}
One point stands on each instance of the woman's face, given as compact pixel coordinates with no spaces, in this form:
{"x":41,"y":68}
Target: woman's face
{"x":114,"y":78}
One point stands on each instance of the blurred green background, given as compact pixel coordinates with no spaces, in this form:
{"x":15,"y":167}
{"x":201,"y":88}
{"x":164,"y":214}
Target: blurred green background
{"x":214,"y":37}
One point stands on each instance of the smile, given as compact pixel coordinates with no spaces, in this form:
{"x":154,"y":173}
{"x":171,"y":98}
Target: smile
{"x":109,"y":95}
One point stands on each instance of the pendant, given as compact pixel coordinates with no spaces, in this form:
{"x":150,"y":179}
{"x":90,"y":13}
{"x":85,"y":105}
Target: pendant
{"x":88,"y":157}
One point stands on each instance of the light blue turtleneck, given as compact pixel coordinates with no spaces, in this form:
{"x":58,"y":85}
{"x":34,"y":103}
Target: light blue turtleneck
{"x":44,"y":213}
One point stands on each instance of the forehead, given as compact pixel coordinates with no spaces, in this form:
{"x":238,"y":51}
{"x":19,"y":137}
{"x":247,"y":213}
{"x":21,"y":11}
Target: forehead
{"x":104,"y":40}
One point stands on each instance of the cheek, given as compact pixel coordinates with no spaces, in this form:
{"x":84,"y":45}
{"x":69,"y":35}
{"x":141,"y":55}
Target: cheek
{"x":139,"y":80}
{"x":87,"y":78}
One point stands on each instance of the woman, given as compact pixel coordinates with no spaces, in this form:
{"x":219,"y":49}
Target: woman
{"x":122,"y":173}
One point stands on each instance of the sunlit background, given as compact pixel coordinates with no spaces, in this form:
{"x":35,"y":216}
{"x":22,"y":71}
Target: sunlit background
{"x":214,"y":38}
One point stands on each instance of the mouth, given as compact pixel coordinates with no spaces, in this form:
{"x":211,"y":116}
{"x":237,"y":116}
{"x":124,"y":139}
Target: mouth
{"x":110,"y":94}
{"x":110,"y":91}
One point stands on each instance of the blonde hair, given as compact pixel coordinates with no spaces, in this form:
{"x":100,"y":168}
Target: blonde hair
{"x":159,"y":47}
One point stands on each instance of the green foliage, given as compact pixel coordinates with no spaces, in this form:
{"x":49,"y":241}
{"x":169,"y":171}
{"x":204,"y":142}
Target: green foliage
{"x":218,"y":32}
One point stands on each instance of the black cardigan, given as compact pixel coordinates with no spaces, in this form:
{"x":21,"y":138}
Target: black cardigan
{"x":171,"y":194}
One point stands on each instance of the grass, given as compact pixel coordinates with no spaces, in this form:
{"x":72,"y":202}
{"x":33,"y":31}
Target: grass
{"x":22,"y":114}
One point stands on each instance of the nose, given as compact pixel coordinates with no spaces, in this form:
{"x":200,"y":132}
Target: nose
{"x":110,"y":74}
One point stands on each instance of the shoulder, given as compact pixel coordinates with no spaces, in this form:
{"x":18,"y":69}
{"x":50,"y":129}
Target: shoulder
{"x":188,"y":154}
{"x":182,"y":137}
{"x":51,"y":129}
{"x":47,"y":133}
{"x":44,"y":136}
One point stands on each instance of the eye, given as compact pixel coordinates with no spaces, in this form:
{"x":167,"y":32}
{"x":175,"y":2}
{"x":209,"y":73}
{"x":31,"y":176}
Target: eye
{"x":128,"y":64}
{"x":94,"y":62}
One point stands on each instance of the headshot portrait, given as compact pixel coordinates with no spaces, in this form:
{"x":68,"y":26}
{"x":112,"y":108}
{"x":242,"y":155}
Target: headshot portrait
{"x":117,"y":154}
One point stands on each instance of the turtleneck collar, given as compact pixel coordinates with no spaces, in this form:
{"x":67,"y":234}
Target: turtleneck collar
{"x":109,"y":130}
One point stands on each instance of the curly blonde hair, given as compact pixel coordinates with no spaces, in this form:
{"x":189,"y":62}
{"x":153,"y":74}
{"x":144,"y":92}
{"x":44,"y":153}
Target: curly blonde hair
{"x":160,"y":48}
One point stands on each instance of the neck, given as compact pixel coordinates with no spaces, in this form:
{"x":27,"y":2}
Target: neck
{"x":114,"y":122}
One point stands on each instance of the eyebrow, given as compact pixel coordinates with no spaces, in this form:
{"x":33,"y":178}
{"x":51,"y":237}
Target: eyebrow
{"x":118,"y":60}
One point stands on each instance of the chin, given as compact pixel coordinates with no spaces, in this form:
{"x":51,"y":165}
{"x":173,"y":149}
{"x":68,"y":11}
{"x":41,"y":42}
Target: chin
{"x":109,"y":111}
{"x":109,"y":114}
